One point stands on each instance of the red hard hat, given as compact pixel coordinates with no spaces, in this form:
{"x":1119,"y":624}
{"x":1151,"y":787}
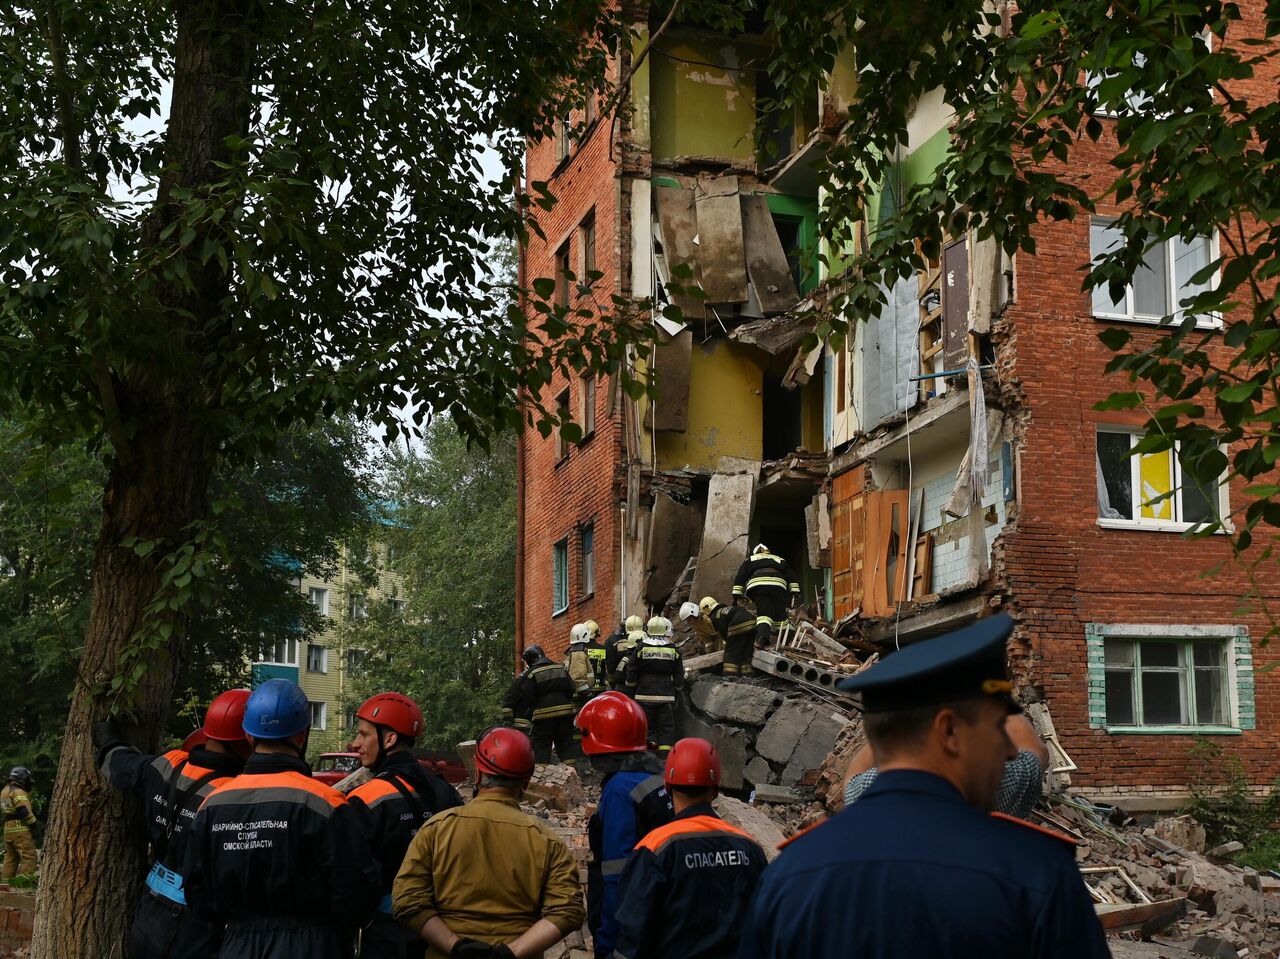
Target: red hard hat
{"x":692,"y":762}
{"x":224,"y":719}
{"x":197,"y":738}
{"x":613,"y":722}
{"x":505,"y":752}
{"x":396,"y":711}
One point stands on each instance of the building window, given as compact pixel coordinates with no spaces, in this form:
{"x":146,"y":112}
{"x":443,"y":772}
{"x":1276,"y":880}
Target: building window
{"x":588,"y":560}
{"x":564,"y":272}
{"x":562,"y":410}
{"x":1160,"y":284}
{"x":355,"y":661}
{"x":357,"y":607}
{"x":317,"y":658}
{"x":560,"y":577}
{"x":319,"y":715}
{"x":564,"y":137}
{"x":319,"y":599}
{"x":1150,"y":489}
{"x":350,"y":717}
{"x":283,"y":652}
{"x":397,"y":606}
{"x":1174,"y":678}
{"x":588,"y":405}
{"x":587,"y":233}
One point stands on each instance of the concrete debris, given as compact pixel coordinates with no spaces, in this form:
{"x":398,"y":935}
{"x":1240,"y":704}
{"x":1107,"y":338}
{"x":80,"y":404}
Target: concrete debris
{"x":776,"y":795}
{"x":1225,"y":850}
{"x":17,"y":917}
{"x":736,"y":703}
{"x":557,"y":786}
{"x":353,"y":781}
{"x":752,"y":821}
{"x":1182,"y":831}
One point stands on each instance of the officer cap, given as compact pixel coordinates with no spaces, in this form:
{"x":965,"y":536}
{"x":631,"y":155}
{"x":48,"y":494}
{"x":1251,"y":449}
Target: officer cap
{"x":962,"y":665}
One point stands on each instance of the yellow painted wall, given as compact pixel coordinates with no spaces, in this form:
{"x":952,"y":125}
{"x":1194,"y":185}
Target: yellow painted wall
{"x":812,"y":399}
{"x":725,"y":408}
{"x":701,"y":109}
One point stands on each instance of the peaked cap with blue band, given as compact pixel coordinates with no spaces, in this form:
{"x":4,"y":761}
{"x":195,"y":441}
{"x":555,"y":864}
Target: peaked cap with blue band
{"x":962,"y":665}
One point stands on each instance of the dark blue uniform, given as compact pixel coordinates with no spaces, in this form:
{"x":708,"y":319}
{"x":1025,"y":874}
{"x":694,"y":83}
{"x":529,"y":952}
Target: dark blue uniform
{"x":913,"y":871}
{"x":633,"y":802}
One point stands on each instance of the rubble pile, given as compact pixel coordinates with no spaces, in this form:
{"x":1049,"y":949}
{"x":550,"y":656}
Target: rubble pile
{"x":17,"y":914}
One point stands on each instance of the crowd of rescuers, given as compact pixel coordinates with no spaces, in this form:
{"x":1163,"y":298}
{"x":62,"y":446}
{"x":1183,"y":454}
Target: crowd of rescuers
{"x":252,"y":858}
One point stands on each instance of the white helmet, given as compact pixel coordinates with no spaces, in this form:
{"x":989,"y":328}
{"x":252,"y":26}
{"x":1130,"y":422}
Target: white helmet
{"x":580,"y":634}
{"x":760,"y":548}
{"x":593,"y":630}
{"x":659,"y":626}
{"x":634,"y":623}
{"x":688,"y":611}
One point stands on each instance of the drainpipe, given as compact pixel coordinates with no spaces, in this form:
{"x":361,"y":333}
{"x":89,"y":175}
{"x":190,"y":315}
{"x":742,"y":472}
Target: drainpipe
{"x":520,"y":489}
{"x":622,"y":560}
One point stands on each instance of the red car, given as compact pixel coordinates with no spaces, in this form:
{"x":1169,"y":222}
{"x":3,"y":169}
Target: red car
{"x":332,"y":768}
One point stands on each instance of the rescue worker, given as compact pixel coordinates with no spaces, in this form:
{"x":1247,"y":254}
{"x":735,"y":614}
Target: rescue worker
{"x":577,"y":662}
{"x":399,"y":799}
{"x":277,"y":856}
{"x":631,"y":634}
{"x":767,"y":580}
{"x":172,"y":787}
{"x":633,"y":801}
{"x":919,"y":866}
{"x":654,"y":671}
{"x":597,"y":654}
{"x":540,"y":703}
{"x":734,"y":627}
{"x":15,"y":803}
{"x":686,"y":888}
{"x":486,"y":879}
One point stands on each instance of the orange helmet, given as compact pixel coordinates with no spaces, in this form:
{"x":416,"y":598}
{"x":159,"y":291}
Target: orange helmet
{"x":613,"y":722}
{"x":505,"y":752}
{"x":692,"y":762}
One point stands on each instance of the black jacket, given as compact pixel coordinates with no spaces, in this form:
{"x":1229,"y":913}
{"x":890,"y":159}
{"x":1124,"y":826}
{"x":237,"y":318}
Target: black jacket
{"x":765,"y":569}
{"x":274,"y":845}
{"x":653,"y":672}
{"x":686,"y":889}
{"x":733,"y":623}
{"x":543,"y":691}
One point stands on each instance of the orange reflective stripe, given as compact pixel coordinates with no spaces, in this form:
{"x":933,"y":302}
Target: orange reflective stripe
{"x":289,"y":780}
{"x":174,"y":756}
{"x":373,"y":789}
{"x":692,"y":826}
{"x":1060,"y":836}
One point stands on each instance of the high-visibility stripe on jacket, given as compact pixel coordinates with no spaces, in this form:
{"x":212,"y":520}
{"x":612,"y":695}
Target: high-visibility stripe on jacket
{"x":765,"y":569}
{"x":15,"y":805}
{"x":653,"y":672}
{"x":577,"y":664}
{"x":543,"y":691}
{"x":598,"y":656}
{"x":675,"y":871}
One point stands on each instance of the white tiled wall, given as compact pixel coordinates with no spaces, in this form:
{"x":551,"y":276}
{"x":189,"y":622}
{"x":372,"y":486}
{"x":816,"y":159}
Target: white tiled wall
{"x":950,"y":560}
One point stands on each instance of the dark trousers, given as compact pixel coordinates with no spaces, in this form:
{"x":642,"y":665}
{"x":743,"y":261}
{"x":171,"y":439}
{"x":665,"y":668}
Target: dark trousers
{"x":771,"y":610}
{"x":558,"y":731}
{"x":282,"y":938}
{"x":737,"y":654}
{"x":385,"y":938}
{"x":662,"y":724}
{"x":164,"y":930}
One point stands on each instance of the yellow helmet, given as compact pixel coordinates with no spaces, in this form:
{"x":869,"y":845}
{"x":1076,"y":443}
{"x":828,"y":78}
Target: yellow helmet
{"x":633,"y":623}
{"x":707,"y":604}
{"x":593,"y":630}
{"x":659,"y":626}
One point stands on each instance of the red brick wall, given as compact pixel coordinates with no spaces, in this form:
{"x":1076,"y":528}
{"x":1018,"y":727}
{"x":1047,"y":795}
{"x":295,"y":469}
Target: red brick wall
{"x":1063,"y":570}
{"x":562,"y":496}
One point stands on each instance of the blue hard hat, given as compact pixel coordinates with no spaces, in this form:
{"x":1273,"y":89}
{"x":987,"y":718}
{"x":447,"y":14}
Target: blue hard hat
{"x":277,"y":709}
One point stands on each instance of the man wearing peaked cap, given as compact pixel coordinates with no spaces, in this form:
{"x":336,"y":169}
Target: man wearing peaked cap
{"x":918,"y":866}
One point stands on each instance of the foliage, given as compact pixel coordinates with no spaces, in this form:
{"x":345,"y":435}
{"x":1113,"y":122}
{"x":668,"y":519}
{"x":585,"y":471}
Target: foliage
{"x":1190,"y":151}
{"x":453,"y":537}
{"x":1222,"y":802}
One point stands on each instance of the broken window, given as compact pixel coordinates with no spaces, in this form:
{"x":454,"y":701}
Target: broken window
{"x":1167,"y":682}
{"x":588,"y":560}
{"x":564,"y":273}
{"x":1151,"y":488}
{"x":588,"y":415}
{"x":560,"y":577}
{"x":1162,"y":282}
{"x":788,"y":228}
{"x":562,"y":411}
{"x":587,"y":234}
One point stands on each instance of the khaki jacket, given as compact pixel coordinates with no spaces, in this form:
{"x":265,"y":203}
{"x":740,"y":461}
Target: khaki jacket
{"x":15,"y":801}
{"x":490,"y":871}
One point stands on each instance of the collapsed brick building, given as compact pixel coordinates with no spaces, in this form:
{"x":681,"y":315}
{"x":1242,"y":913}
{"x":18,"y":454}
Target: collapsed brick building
{"x":943,"y":461}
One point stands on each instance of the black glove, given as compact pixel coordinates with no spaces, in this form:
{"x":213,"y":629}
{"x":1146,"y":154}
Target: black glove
{"x":105,"y":733}
{"x":470,"y":949}
{"x":503,"y":951}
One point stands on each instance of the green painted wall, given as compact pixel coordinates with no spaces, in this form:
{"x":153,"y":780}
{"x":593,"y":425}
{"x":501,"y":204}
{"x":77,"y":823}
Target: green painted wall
{"x":805,"y":213}
{"x":697,"y":108}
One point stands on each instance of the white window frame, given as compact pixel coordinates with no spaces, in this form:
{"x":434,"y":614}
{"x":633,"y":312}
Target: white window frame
{"x":588,"y":559}
{"x":357,"y":607}
{"x":289,"y":644}
{"x":319,"y":598}
{"x":1135,"y":485}
{"x":1185,"y":636}
{"x":324,"y":658}
{"x":1210,"y":321}
{"x":322,"y":714}
{"x":560,"y":576}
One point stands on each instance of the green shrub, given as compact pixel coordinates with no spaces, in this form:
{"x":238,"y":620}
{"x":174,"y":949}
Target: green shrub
{"x":1222,"y":802}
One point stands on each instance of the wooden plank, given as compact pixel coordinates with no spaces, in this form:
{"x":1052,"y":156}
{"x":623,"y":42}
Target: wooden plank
{"x":1150,"y":917}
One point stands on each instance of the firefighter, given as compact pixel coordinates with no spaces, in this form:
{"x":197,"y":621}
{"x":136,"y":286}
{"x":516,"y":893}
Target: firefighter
{"x":577,"y":662}
{"x":732,"y":625}
{"x":633,"y":801}
{"x":686,"y":888}
{"x":15,"y":803}
{"x":619,"y":646}
{"x":654,"y":671}
{"x":540,"y":703}
{"x":172,"y":787}
{"x":767,"y":580}
{"x":486,"y":879}
{"x":278,"y":857}
{"x":596,"y":655}
{"x":401,"y":797}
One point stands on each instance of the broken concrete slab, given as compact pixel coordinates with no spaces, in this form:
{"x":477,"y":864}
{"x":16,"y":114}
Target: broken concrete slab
{"x":355,"y":780}
{"x":677,"y":218}
{"x":766,"y":260}
{"x":759,"y":772}
{"x":817,"y":521}
{"x":1214,"y":948}
{"x":467,"y":753}
{"x":672,"y":364}
{"x":1225,"y":850}
{"x":731,"y":701}
{"x":813,"y":748}
{"x":730,"y":502}
{"x":730,"y":743}
{"x":778,"y":740}
{"x":777,"y":795}
{"x":721,"y":255}
{"x":675,"y":531}
{"x":755,"y":823}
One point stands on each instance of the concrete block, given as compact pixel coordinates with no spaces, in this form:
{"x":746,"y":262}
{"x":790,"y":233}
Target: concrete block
{"x":778,"y":795}
{"x":1225,"y":850}
{"x":781,"y":735}
{"x":730,"y":501}
{"x":760,"y":773}
{"x":755,"y":823}
{"x":814,"y":747}
{"x":730,"y":743}
{"x":732,"y":701}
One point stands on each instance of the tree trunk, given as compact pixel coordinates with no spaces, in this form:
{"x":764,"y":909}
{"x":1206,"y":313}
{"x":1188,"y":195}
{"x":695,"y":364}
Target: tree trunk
{"x":163,"y":424}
